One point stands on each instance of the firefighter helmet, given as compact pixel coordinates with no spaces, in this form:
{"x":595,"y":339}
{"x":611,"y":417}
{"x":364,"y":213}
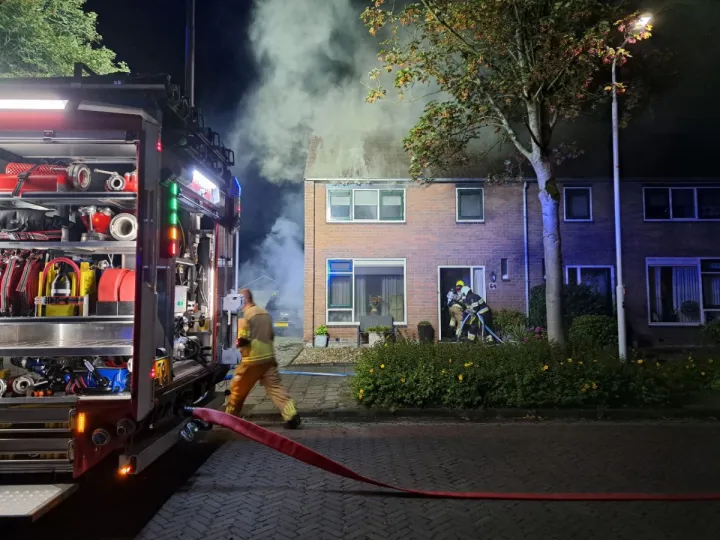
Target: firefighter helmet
{"x":460,"y":283}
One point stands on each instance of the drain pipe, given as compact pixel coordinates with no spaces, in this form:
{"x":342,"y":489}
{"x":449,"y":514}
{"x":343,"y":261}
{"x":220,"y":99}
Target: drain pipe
{"x":526,"y":247}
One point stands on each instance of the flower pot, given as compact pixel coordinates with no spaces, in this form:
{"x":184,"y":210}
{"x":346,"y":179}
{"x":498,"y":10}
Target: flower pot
{"x":374,"y":337}
{"x":426,"y":333}
{"x":322,"y":341}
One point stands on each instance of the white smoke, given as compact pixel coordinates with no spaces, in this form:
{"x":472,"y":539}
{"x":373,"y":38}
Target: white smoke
{"x":313,"y":57}
{"x":280,"y":256}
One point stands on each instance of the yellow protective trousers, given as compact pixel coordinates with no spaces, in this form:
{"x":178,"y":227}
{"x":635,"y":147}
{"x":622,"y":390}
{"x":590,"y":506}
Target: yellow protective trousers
{"x":247,"y":375}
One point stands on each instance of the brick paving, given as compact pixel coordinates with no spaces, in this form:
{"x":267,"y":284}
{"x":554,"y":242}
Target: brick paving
{"x":247,"y":491}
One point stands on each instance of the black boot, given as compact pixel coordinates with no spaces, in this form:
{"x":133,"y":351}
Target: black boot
{"x":294,"y":422}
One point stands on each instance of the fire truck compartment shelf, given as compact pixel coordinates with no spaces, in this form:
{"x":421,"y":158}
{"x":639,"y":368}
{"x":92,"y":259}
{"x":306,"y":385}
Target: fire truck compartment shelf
{"x":114,"y":247}
{"x":48,"y":201}
{"x":79,"y":336}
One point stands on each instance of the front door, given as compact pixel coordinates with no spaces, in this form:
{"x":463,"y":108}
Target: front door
{"x":473,"y":276}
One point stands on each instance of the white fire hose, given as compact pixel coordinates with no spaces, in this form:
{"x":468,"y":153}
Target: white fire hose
{"x":123,"y":227}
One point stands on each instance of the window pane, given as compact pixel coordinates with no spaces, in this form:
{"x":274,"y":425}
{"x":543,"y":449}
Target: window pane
{"x":380,"y":290}
{"x":674,"y":294}
{"x":711,"y":291}
{"x":599,"y":280}
{"x":339,"y":202}
{"x":683,"y":203}
{"x":577,"y":203}
{"x":339,"y":266}
{"x":708,"y":203}
{"x":339,"y":291}
{"x":657,"y":203}
{"x":391,"y":205}
{"x":366,"y":202}
{"x":470,"y":204}
{"x":340,"y":316}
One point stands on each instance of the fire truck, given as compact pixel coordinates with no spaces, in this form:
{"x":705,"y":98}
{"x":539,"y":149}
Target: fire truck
{"x":117,"y":215}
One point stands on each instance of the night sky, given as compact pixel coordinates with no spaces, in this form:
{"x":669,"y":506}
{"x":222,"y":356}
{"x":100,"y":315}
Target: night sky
{"x":675,"y":138}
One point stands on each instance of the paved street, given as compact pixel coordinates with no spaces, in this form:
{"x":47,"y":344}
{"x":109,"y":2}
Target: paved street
{"x":247,"y":491}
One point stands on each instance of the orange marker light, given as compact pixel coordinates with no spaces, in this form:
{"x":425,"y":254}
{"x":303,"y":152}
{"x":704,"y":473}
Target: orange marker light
{"x":173,"y":233}
{"x":80,"y":423}
{"x":124,"y":471}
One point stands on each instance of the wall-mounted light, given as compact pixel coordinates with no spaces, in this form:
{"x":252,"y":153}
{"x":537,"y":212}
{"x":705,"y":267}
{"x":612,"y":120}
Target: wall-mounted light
{"x":493,"y":276}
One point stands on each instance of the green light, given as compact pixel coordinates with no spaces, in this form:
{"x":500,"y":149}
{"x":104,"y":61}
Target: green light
{"x":173,"y":205}
{"x":173,"y":189}
{"x":173,"y":218}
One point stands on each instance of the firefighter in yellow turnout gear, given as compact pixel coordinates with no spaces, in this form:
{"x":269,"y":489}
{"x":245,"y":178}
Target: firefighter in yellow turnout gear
{"x":455,"y":306}
{"x":256,"y":342}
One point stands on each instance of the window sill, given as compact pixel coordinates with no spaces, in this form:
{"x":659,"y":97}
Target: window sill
{"x":678,"y":325}
{"x":567,"y":220}
{"x":356,"y":324}
{"x":682,"y":220}
{"x":366,"y":221}
{"x":469,"y":220}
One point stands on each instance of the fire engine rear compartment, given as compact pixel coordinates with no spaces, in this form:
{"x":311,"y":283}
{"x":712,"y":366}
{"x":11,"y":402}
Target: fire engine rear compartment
{"x":109,"y":318}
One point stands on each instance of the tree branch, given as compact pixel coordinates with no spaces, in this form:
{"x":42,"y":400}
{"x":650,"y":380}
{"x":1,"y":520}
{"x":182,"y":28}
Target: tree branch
{"x":450,"y":29}
{"x":508,"y":128}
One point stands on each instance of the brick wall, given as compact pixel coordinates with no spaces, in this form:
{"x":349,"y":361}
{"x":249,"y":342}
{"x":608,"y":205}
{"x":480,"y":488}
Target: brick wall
{"x":430,"y":238}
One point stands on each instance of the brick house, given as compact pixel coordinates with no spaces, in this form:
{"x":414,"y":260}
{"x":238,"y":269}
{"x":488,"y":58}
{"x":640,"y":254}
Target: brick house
{"x":369,"y":231}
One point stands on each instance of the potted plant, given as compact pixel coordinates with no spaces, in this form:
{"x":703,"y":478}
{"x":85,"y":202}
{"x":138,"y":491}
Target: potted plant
{"x":375,"y":303}
{"x":426,"y":333}
{"x":321,"y":336}
{"x":376,"y":334}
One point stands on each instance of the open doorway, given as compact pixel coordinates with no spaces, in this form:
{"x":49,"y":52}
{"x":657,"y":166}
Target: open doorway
{"x":472,"y":276}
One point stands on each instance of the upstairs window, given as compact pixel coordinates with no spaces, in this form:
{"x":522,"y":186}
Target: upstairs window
{"x":681,"y":203}
{"x":470,"y":204}
{"x":365,"y":205}
{"x":578,"y":203}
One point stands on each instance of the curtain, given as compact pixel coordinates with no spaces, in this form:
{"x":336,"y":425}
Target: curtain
{"x":656,"y":292}
{"x":478,"y":281}
{"x":340,"y":287}
{"x":393,"y":297}
{"x":715,"y":291}
{"x":686,"y":293}
{"x":362,"y":299}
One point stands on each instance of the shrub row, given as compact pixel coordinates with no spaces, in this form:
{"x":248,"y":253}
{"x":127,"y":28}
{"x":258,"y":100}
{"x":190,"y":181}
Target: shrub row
{"x":528,"y":374}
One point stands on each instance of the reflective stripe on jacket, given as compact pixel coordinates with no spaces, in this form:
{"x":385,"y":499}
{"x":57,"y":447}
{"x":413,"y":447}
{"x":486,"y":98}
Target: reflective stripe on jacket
{"x":256,"y":336}
{"x":476,"y":303}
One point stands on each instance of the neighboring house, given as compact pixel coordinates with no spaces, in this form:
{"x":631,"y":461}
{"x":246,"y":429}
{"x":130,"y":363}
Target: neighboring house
{"x":371,"y":232}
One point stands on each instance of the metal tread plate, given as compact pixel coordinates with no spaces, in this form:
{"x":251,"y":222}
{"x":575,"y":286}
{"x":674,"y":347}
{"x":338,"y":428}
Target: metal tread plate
{"x":32,"y":501}
{"x":47,"y":201}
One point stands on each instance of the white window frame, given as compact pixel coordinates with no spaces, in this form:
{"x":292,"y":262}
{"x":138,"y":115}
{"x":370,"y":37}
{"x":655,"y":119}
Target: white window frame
{"x":674,"y":261}
{"x":565,"y":201}
{"x":577,"y":268}
{"x":458,"y":219}
{"x":352,"y":190}
{"x":362,"y":262}
{"x":670,"y":190}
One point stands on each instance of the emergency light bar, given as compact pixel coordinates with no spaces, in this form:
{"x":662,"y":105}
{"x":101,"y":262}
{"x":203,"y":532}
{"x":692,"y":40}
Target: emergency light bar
{"x":33,"y":104}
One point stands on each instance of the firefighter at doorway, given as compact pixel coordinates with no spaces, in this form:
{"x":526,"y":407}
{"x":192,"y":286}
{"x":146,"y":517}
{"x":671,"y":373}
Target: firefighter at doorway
{"x":455,"y":306}
{"x":476,"y":304}
{"x":255,"y":340}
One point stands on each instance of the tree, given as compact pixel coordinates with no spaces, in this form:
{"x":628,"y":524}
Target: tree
{"x":47,"y":37}
{"x":516,"y":66}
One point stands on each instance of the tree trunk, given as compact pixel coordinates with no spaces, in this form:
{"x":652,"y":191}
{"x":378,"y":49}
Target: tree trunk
{"x":550,"y":205}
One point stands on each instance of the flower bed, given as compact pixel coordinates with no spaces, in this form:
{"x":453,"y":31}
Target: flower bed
{"x":533,"y":374}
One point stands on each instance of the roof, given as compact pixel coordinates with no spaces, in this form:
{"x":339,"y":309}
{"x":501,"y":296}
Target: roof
{"x":263,"y":283}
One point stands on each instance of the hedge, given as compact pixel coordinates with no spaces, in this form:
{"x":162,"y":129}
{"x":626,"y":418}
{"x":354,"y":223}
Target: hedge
{"x":531,"y":374}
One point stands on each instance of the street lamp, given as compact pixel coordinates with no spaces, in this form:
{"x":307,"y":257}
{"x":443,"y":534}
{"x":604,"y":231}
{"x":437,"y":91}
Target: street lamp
{"x":639,"y":25}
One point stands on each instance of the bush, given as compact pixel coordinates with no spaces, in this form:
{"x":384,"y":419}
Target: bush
{"x":532,"y":374}
{"x":711,"y":332}
{"x":578,"y":300}
{"x":592,"y":332}
{"x":510,"y":323}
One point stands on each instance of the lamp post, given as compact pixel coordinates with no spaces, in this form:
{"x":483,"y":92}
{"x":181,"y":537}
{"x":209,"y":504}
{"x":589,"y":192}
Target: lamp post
{"x":639,"y":25}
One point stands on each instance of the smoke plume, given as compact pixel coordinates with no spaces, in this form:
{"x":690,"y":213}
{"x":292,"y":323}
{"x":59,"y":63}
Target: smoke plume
{"x":313,"y":57}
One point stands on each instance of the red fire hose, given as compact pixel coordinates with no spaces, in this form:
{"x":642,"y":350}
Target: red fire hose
{"x":306,"y":455}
